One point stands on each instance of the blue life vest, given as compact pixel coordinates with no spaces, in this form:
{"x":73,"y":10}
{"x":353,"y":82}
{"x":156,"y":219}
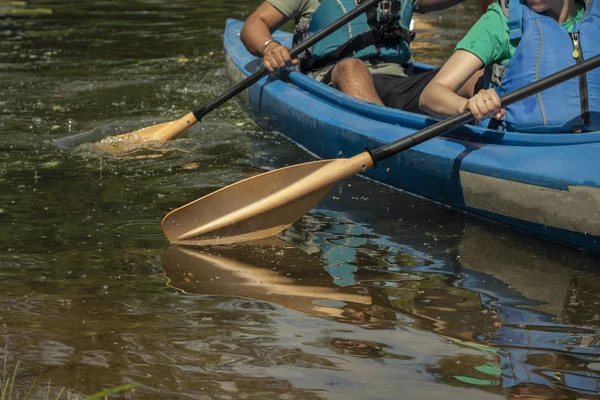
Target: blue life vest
{"x":365,"y":37}
{"x":546,"y":47}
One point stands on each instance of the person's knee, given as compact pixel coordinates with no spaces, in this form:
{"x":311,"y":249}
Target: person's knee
{"x":349,"y":69}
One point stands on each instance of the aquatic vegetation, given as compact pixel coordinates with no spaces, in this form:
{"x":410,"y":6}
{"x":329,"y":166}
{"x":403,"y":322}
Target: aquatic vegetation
{"x":12,"y":389}
{"x":20,"y":8}
{"x":117,"y":389}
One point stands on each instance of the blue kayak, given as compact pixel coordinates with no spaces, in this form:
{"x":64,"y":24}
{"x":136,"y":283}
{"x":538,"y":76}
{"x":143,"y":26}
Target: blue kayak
{"x":544,"y":184}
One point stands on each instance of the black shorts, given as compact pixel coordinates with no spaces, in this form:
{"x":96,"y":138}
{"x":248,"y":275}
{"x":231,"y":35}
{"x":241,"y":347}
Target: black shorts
{"x":402,"y":92}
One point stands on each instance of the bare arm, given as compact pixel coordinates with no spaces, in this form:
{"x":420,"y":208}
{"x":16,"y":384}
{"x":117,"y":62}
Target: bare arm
{"x":257,"y":31}
{"x":260,"y":24}
{"x":440,"y":99}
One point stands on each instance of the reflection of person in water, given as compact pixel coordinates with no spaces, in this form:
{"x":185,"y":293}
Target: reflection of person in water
{"x":533,"y":359}
{"x":516,"y":308}
{"x":540,"y":353}
{"x":506,"y":303}
{"x":531,"y":391}
{"x":378,"y":315}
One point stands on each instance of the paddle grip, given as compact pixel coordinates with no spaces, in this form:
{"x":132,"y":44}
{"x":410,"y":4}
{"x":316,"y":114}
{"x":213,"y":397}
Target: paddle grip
{"x":460,"y":119}
{"x":301,"y":47}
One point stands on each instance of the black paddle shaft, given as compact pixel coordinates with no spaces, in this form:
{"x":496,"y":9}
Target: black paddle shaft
{"x":464,"y":117}
{"x":305,"y":45}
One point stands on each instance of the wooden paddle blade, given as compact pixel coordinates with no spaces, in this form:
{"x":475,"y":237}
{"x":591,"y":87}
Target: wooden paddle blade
{"x":159,"y":133}
{"x":260,"y":206}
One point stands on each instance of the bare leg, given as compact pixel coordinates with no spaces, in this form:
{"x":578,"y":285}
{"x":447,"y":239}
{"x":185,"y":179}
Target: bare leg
{"x":352,"y":77}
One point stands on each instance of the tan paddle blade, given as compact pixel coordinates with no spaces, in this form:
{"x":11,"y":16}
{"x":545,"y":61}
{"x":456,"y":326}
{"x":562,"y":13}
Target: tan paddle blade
{"x":159,"y":133}
{"x":260,"y":206}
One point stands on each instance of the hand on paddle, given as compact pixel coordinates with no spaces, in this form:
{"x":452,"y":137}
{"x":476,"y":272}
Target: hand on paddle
{"x":266,"y":204}
{"x":485,"y":104}
{"x":277,"y":56}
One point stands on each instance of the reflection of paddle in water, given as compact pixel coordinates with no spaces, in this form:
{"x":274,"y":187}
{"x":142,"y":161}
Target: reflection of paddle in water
{"x":307,"y":289}
{"x":528,"y":315}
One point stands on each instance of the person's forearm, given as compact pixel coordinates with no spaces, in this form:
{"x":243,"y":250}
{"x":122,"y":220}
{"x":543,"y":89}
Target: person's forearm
{"x":439,"y":101}
{"x":254,"y":34}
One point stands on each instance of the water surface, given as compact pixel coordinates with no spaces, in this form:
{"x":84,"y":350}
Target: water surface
{"x":373,"y":294}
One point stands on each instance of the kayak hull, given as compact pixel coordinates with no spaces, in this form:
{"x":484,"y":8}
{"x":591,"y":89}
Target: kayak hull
{"x":544,"y":184}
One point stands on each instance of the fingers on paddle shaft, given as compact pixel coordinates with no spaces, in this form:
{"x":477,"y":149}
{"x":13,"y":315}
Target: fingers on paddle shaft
{"x":260,"y":206}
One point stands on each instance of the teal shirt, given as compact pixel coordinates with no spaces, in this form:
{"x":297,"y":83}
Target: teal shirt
{"x":300,"y":12}
{"x":489,"y":38}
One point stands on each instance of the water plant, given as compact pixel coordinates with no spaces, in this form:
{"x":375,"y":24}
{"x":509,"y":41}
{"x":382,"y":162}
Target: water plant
{"x":10,"y":389}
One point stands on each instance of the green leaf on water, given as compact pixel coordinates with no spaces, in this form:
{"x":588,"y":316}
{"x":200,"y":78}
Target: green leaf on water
{"x":474,"y":381}
{"x":118,"y":389}
{"x":490,"y":369}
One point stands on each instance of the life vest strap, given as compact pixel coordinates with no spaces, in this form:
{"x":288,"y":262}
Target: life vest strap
{"x":381,"y":35}
{"x":515,"y":19}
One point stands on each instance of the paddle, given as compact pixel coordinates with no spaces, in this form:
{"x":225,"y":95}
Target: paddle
{"x":170,"y":130}
{"x":266,"y":204}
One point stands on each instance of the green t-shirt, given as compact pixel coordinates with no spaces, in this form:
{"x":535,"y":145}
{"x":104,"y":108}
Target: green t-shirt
{"x":489,"y":38}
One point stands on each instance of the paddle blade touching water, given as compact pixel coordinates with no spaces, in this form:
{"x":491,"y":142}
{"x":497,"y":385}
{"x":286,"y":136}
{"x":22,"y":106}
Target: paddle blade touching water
{"x":159,"y":133}
{"x":127,"y":142}
{"x":260,"y":206}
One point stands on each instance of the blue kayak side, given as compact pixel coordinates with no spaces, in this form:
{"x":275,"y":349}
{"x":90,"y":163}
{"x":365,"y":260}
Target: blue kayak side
{"x":544,"y":184}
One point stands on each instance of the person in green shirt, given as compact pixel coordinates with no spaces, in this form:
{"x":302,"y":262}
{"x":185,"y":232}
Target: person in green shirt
{"x":488,"y":42}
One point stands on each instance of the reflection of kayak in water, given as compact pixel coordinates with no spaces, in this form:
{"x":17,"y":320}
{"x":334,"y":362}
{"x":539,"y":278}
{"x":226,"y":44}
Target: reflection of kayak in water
{"x":352,"y":332}
{"x":549,"y":312}
{"x":520,"y":336}
{"x":280,"y":275}
{"x":538,"y":316}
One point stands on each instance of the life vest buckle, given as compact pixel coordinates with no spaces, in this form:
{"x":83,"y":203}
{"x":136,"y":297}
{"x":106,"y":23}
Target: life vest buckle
{"x":388,"y":9}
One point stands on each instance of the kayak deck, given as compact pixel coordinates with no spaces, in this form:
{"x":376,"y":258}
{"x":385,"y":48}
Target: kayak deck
{"x":544,"y":184}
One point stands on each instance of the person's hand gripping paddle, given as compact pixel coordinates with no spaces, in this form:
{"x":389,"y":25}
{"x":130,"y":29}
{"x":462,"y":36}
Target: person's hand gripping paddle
{"x":170,"y":130}
{"x":266,"y":204}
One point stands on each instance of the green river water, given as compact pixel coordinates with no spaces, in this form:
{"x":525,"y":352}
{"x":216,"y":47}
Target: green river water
{"x":373,"y":295}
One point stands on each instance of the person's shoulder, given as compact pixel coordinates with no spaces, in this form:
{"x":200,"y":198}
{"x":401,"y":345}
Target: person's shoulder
{"x":291,"y":8}
{"x":311,"y":5}
{"x":494,"y":12}
{"x":298,"y":5}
